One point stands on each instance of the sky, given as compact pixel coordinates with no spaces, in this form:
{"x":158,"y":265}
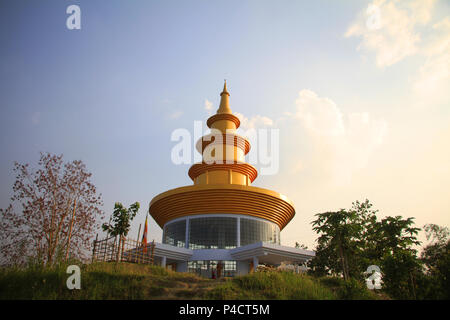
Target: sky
{"x":359,"y":91}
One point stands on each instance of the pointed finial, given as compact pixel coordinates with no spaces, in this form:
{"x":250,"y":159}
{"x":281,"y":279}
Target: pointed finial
{"x":224,"y":106}
{"x":225,"y":88}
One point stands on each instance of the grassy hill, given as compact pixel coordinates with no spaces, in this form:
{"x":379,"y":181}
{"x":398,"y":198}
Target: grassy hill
{"x":131,"y":281}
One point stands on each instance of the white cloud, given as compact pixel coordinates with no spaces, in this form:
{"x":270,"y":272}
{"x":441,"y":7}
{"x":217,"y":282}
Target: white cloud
{"x":394,"y":30}
{"x":208,"y":107}
{"x":434,"y":75}
{"x":320,"y":140}
{"x":254,"y":122}
{"x":340,"y":144}
{"x":389,"y":28}
{"x":319,"y":115}
{"x":439,"y":40}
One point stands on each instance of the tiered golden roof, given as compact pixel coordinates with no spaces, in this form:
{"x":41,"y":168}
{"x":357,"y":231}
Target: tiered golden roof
{"x":222,"y":181}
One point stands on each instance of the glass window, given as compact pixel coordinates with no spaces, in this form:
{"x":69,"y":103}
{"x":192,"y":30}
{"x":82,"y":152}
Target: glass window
{"x":175,"y":233}
{"x":256,"y":230}
{"x":206,"y":268}
{"x":212,"y":233}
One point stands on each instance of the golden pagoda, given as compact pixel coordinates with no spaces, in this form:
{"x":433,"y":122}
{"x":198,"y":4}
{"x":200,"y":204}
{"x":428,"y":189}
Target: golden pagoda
{"x":222,"y":219}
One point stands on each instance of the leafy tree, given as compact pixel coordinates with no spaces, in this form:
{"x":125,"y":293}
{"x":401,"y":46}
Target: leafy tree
{"x":367,"y":253}
{"x":338,"y":232}
{"x":436,"y":234}
{"x":434,"y":251}
{"x":436,"y":258}
{"x":51,"y":205}
{"x":344,"y":238}
{"x":395,"y":234}
{"x":325,"y":262}
{"x":391,"y":244}
{"x":121,"y":219}
{"x":351,"y":240}
{"x":400,"y":271}
{"x":443,"y":272}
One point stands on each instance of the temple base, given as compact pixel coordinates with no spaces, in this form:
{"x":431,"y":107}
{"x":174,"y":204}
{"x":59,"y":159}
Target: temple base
{"x":214,"y":263}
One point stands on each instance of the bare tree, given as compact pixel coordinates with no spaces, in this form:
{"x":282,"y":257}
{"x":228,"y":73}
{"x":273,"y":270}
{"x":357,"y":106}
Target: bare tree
{"x":54,"y":209}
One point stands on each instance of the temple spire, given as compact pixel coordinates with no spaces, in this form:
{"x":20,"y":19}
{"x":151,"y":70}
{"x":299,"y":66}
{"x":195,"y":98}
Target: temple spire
{"x":224,"y":106}
{"x":225,"y":87}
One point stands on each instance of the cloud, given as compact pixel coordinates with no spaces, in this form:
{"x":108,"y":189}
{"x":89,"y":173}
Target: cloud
{"x":394,"y":30}
{"x":434,"y":75}
{"x":254,"y":122}
{"x":208,"y":107}
{"x":319,"y":140}
{"x":390,"y":28}
{"x":319,"y":115}
{"x":338,"y":144}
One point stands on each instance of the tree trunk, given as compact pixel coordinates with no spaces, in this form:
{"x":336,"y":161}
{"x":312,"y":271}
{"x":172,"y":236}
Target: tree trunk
{"x":344,"y":269}
{"x":412,"y":284}
{"x":123,"y":244}
{"x":347,"y":269}
{"x":71,"y":226}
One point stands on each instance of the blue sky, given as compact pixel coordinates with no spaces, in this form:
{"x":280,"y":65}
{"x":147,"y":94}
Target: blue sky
{"x":111,"y":94}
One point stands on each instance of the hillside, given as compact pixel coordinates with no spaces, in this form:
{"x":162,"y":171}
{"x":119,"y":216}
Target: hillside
{"x":131,"y":281}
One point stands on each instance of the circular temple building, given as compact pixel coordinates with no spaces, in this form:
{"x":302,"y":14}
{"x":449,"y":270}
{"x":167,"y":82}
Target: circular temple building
{"x":222,"y":225}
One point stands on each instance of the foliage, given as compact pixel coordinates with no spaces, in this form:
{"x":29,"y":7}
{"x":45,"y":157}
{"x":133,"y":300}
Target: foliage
{"x":301,"y":246}
{"x":342,"y":237}
{"x":397,"y":259}
{"x":395,"y":234}
{"x":434,"y":252}
{"x":325,"y":262}
{"x":277,"y":285}
{"x":351,"y":240}
{"x":399,"y":273}
{"x":436,"y":233}
{"x":52,"y":200}
{"x":436,"y":259}
{"x":121,"y":219}
{"x":348,"y":290}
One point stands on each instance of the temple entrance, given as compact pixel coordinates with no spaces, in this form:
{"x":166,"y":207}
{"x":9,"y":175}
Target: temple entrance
{"x":212,"y":269}
{"x":172,"y":266}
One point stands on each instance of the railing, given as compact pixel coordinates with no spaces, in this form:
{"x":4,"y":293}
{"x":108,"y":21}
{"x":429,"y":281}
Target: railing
{"x":119,"y":249}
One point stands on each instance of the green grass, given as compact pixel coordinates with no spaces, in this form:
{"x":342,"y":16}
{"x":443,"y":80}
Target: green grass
{"x":272,"y":285}
{"x":350,"y":290}
{"x":131,"y":281}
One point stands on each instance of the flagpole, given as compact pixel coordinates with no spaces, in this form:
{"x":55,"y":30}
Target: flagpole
{"x":139,"y":233}
{"x":144,"y":236}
